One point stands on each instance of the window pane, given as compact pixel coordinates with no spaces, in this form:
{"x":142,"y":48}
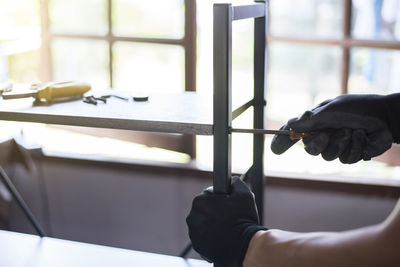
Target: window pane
{"x":24,"y":67}
{"x":301,"y":76}
{"x":83,"y":60}
{"x":158,"y":18}
{"x":376,"y":19}
{"x":18,"y":13}
{"x":20,"y":41}
{"x":374,"y":71}
{"x":306,"y":18}
{"x":242,"y":61}
{"x":78,"y":17}
{"x":148,"y":67}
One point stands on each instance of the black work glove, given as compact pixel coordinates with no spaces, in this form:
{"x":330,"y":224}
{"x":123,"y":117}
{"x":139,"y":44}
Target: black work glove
{"x":221,"y":225}
{"x":349,"y":127}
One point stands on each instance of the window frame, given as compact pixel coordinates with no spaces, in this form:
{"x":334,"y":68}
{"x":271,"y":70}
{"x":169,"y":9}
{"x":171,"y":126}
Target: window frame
{"x":181,"y":143}
{"x":346,"y":43}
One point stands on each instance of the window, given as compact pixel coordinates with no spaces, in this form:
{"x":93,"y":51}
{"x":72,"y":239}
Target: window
{"x":126,"y":44}
{"x":19,"y":41}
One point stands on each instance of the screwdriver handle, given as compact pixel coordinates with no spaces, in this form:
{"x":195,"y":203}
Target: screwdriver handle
{"x":293,"y":135}
{"x":61,"y":90}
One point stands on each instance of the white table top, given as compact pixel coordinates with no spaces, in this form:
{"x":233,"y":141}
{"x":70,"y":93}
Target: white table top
{"x":23,"y":250}
{"x":185,"y":112}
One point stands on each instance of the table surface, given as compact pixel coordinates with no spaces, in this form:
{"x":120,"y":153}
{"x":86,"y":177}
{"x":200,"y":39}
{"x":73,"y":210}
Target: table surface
{"x":185,"y":112}
{"x":23,"y":250}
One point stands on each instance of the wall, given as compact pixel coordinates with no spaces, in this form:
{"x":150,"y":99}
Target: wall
{"x":129,"y":206}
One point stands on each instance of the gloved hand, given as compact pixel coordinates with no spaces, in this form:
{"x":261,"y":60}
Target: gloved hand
{"x":349,"y":127}
{"x":222,"y":225}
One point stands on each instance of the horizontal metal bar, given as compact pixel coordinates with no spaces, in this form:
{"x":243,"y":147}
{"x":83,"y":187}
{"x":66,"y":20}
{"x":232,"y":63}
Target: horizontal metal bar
{"x":236,"y":113}
{"x":112,"y":38}
{"x":260,"y":131}
{"x":249,"y":11}
{"x":345,"y":42}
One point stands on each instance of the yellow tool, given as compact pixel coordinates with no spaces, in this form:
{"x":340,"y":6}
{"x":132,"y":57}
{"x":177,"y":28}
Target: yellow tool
{"x":52,"y":91}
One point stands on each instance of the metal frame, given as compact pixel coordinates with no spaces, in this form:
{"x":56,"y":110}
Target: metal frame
{"x":222,"y":107}
{"x":224,"y":15}
{"x":260,"y":70}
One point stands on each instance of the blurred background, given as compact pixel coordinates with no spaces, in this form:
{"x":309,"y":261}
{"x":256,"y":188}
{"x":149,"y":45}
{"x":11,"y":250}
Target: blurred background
{"x":317,"y":49}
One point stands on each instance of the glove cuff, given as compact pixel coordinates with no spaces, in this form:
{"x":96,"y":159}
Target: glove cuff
{"x":245,"y":240}
{"x":393,"y":112}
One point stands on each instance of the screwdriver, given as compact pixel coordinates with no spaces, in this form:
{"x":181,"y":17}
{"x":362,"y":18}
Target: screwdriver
{"x":52,"y":91}
{"x":293,"y":135}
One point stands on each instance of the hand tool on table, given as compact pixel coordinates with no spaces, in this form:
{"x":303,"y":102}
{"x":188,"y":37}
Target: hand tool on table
{"x":116,"y":96}
{"x":51,"y":91}
{"x":293,"y":135}
{"x":91,"y":99}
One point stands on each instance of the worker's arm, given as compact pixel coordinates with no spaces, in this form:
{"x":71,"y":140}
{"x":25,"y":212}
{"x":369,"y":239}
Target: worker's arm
{"x":349,"y":127}
{"x":376,"y":245}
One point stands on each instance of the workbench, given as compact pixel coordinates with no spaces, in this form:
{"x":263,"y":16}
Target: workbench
{"x":23,"y":250}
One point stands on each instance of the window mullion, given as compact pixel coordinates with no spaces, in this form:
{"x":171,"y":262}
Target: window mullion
{"x":45,"y":53}
{"x":189,"y":43}
{"x":110,"y":42}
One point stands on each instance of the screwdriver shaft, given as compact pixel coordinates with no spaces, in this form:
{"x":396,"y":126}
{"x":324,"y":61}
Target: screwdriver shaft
{"x":19,"y":95}
{"x":260,"y":131}
{"x":293,"y":135}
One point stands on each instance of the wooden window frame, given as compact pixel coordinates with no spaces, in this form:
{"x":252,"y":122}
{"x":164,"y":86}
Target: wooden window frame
{"x":346,"y":43}
{"x":181,"y":143}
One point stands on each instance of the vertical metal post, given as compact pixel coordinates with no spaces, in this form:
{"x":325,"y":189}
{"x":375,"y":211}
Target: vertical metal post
{"x":222,"y":73}
{"x":190,"y":45}
{"x":260,"y":60}
{"x":45,"y":50}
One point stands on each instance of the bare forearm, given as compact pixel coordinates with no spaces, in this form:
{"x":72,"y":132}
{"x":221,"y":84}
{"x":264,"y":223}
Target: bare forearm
{"x":362,"y":247}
